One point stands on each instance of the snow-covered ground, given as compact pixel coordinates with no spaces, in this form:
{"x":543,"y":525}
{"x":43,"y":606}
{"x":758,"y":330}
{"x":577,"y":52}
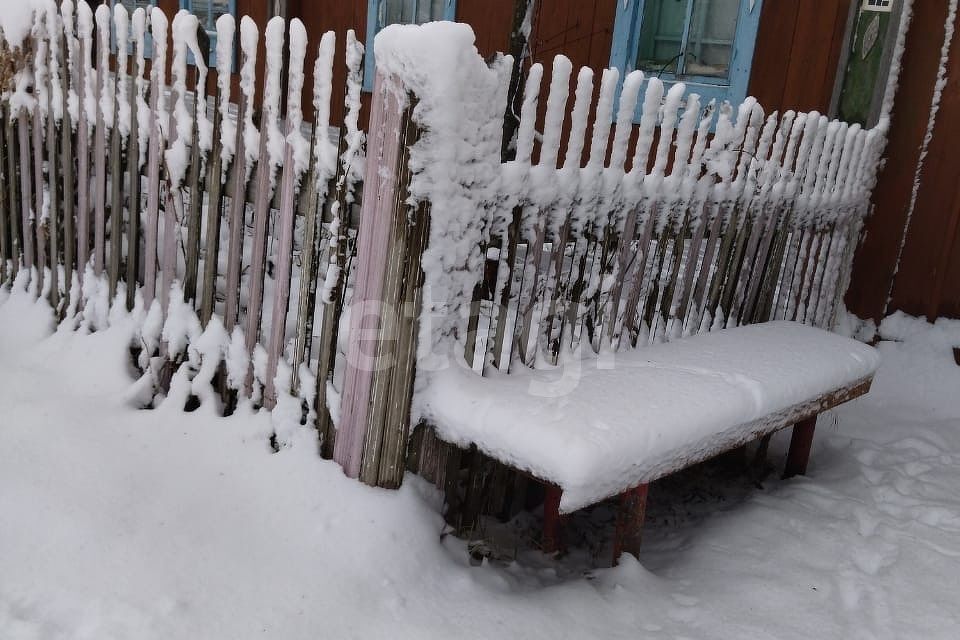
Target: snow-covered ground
{"x":117,"y":522}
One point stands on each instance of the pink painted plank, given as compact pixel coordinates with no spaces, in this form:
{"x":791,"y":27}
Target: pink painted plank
{"x":379,"y":190}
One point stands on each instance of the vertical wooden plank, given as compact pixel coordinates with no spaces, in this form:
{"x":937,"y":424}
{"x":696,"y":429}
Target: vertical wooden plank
{"x":199,"y":149}
{"x":55,"y":119}
{"x":249,"y":35}
{"x":6,"y":247}
{"x":379,"y":194}
{"x":221,"y":156}
{"x":293,"y":167}
{"x":71,"y":79}
{"x":138,"y":129}
{"x":631,"y":513}
{"x":39,"y":187}
{"x":26,"y":189}
{"x":323,"y":162}
{"x":104,"y":122}
{"x":801,"y":442}
{"x":334,"y":286}
{"x":552,"y":541}
{"x":38,"y":129}
{"x":16,"y":242}
{"x":84,"y":22}
{"x":118,"y":142}
{"x":267,"y":164}
{"x":158,"y":29}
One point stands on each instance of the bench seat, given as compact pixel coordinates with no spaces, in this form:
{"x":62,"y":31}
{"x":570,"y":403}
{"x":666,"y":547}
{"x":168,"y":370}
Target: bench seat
{"x":596,"y":427}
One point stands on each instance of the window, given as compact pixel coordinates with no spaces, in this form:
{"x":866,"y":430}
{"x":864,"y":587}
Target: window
{"x":131,"y":6}
{"x":208,"y":11}
{"x":381,"y":13}
{"x":707,"y":44}
{"x":878,"y":5}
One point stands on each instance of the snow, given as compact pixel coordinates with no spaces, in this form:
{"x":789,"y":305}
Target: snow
{"x":456,"y":161}
{"x":596,"y":427}
{"x":249,"y":36}
{"x":16,"y":20}
{"x":226,"y":28}
{"x":123,"y":523}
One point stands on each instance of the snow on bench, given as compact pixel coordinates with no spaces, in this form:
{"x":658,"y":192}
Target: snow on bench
{"x":598,"y":427}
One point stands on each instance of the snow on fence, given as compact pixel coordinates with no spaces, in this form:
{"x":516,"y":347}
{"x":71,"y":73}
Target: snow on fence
{"x":205,"y":214}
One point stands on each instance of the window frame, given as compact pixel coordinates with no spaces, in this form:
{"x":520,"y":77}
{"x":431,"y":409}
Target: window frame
{"x":211,"y":33}
{"x":733,"y":88}
{"x":148,"y":37}
{"x":374,"y":27}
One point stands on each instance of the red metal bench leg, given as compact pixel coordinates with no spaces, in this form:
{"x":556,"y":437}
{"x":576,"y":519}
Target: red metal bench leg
{"x":800,"y":444}
{"x":630,"y":517}
{"x":552,"y":521}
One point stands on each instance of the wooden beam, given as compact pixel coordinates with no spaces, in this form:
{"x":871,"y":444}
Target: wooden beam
{"x":800,"y":444}
{"x":630,"y":516}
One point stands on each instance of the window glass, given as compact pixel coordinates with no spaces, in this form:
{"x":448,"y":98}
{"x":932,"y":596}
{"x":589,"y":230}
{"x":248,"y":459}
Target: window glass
{"x":661,"y":37}
{"x":132,"y":5}
{"x":410,"y":11}
{"x":688,"y":37}
{"x":713,"y":26}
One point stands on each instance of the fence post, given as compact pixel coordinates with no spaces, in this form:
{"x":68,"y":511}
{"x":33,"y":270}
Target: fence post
{"x":381,"y":351}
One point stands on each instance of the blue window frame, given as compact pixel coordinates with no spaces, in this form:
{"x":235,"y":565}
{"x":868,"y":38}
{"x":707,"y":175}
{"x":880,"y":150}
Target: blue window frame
{"x":381,"y":13}
{"x":707,"y":44}
{"x":207,"y":11}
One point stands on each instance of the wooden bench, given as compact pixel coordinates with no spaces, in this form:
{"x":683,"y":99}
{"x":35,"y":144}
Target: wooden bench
{"x":595,"y":428}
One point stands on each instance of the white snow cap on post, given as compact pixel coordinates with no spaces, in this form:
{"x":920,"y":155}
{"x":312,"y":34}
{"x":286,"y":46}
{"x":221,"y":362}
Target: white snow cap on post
{"x":454,"y":164}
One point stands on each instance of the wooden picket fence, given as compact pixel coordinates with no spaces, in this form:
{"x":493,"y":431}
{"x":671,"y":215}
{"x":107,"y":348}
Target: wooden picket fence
{"x":700,"y":216}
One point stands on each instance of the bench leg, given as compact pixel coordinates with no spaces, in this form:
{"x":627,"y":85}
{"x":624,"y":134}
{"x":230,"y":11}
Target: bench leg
{"x":552,"y":521}
{"x":800,"y":444}
{"x":630,"y":517}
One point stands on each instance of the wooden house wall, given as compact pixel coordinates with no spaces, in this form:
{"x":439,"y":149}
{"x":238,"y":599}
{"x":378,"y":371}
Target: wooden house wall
{"x":928,"y":280}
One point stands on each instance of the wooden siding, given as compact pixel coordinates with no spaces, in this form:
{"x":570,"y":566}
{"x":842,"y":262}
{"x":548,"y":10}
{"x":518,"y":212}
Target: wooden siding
{"x":798,"y":52}
{"x":928,"y":281}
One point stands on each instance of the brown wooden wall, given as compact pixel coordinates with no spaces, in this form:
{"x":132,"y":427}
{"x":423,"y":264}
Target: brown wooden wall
{"x":798,"y":50}
{"x":928,"y":281}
